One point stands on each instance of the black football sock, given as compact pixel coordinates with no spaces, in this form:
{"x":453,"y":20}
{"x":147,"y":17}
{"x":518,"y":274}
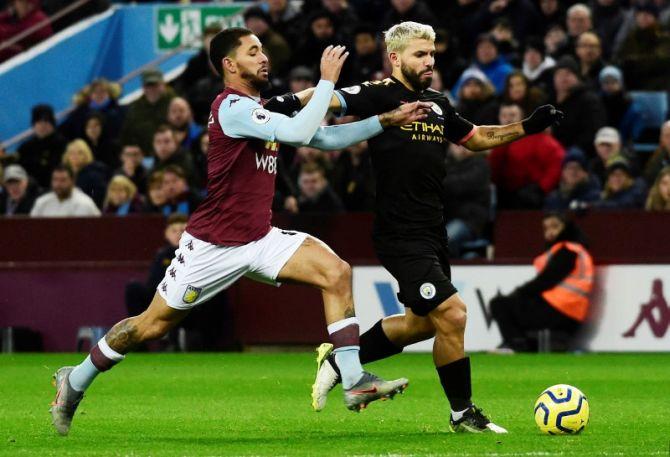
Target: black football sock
{"x":455,"y":379}
{"x":375,"y":345}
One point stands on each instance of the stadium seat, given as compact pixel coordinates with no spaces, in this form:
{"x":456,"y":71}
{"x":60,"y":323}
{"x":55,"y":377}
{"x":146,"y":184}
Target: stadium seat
{"x":653,"y":107}
{"x":90,"y":334}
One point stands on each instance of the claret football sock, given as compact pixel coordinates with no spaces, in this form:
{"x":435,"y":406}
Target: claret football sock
{"x":375,"y":345}
{"x":455,"y":379}
{"x":344,"y":335}
{"x":101,"y":358}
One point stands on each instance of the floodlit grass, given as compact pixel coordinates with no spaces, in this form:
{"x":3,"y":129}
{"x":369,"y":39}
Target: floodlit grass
{"x":259,"y":404}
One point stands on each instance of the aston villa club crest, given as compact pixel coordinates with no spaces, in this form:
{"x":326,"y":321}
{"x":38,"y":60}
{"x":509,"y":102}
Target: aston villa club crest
{"x":191,"y":294}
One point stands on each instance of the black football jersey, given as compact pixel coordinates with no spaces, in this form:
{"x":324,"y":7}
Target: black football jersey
{"x":409,"y":161}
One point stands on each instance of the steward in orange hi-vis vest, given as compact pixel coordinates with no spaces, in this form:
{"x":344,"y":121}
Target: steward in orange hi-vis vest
{"x":571,"y":295}
{"x":557,"y":298}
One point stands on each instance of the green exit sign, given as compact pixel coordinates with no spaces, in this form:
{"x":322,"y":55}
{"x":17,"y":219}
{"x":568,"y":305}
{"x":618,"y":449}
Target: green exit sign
{"x":183,"y":26}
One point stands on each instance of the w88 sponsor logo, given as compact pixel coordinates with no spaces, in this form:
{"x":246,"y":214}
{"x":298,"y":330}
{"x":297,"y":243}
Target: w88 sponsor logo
{"x":266,"y":163}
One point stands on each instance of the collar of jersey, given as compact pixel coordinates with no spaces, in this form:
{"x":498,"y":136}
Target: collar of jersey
{"x":237,"y":92}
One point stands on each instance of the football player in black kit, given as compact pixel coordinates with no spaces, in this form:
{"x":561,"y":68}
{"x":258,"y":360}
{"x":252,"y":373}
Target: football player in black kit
{"x":408,"y":234}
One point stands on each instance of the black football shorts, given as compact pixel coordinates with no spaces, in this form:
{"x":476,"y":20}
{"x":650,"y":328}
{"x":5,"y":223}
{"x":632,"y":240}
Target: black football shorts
{"x":421,"y":266}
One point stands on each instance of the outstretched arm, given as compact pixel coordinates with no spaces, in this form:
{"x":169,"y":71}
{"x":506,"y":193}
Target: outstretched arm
{"x":342,"y":136}
{"x":490,"y":136}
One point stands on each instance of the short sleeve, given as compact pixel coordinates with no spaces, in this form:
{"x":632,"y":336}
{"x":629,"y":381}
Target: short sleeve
{"x":243,"y":117}
{"x":287,"y":104}
{"x":363,"y":100}
{"x":457,"y":129}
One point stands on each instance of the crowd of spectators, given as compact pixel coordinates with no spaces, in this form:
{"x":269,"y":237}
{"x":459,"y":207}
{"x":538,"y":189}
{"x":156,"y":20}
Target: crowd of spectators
{"x":496,"y":60}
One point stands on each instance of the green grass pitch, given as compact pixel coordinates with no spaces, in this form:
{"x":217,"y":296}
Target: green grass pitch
{"x":259,"y":405}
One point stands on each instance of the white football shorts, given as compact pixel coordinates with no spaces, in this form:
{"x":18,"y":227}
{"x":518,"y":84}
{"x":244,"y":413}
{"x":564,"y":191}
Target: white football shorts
{"x":200,"y":270}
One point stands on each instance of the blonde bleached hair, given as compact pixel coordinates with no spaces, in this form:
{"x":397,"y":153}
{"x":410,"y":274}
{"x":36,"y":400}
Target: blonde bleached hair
{"x":398,"y":37}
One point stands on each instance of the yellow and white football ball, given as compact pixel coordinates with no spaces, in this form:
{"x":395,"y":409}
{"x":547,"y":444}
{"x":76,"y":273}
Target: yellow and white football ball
{"x":561,"y":409}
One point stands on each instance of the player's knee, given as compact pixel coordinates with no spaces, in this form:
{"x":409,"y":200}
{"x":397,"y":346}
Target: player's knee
{"x":338,"y":276}
{"x":453,"y":318}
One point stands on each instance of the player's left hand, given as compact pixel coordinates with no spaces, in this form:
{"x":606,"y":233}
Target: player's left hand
{"x":405,"y":114}
{"x":543,"y":117}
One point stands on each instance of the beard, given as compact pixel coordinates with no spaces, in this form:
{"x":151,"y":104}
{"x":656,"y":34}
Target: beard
{"x":255,"y":80}
{"x":414,"y":78}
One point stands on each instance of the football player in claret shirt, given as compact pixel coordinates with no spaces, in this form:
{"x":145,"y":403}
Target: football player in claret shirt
{"x":230,"y":236}
{"x":408,"y":234}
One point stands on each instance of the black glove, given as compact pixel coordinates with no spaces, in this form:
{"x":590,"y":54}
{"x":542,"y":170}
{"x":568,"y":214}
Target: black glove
{"x":543,"y":117}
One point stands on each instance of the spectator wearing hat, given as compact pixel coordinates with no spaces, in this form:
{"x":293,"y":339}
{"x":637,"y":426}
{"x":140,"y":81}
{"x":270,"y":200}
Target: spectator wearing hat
{"x":20,"y":192}
{"x":576,"y":185}
{"x":659,"y":195}
{"x":645,"y":52}
{"x":148,"y":112}
{"x":64,"y":200}
{"x":608,"y":16}
{"x":589,"y":54}
{"x":621,"y":189}
{"x":584,"y":111}
{"x":467,"y":196}
{"x":42,"y":152}
{"x":661,"y":157}
{"x":607,"y":143}
{"x":19,"y":16}
{"x":274,"y":45}
{"x":537,"y":66}
{"x":621,"y":112}
{"x":367,"y":58}
{"x":101,"y":96}
{"x":476,"y":97}
{"x":489,"y":62}
{"x":526,"y":170}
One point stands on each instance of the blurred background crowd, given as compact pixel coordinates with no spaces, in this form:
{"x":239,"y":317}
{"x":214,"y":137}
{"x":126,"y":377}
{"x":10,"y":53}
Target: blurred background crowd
{"x":606,"y":64}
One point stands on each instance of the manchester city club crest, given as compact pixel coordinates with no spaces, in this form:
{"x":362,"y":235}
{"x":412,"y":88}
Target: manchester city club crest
{"x":191,"y":294}
{"x":427,"y":290}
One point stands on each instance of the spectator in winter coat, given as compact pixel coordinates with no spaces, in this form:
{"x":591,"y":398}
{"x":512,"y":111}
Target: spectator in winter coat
{"x":179,"y":198}
{"x":589,"y":55}
{"x":90,"y":176}
{"x":316,"y":195}
{"x":103,"y":146}
{"x":40,"y":154}
{"x":584,"y":111}
{"x":576,"y":185}
{"x":621,"y":190}
{"x":476,"y":97}
{"x":467,"y":197}
{"x":645,"y":53}
{"x":487,"y":60}
{"x":659,"y":195}
{"x":180,"y":118}
{"x":526,"y":170}
{"x":353,"y":180}
{"x":122,"y":197}
{"x":608,"y":17}
{"x":608,"y":145}
{"x":167,"y":152}
{"x":661,"y":157}
{"x":132,"y":168}
{"x":17,"y":18}
{"x":101,"y":96}
{"x":148,"y":112}
{"x":20,"y":192}
{"x":622,"y":113}
{"x":275,"y":46}
{"x":537,"y":65}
